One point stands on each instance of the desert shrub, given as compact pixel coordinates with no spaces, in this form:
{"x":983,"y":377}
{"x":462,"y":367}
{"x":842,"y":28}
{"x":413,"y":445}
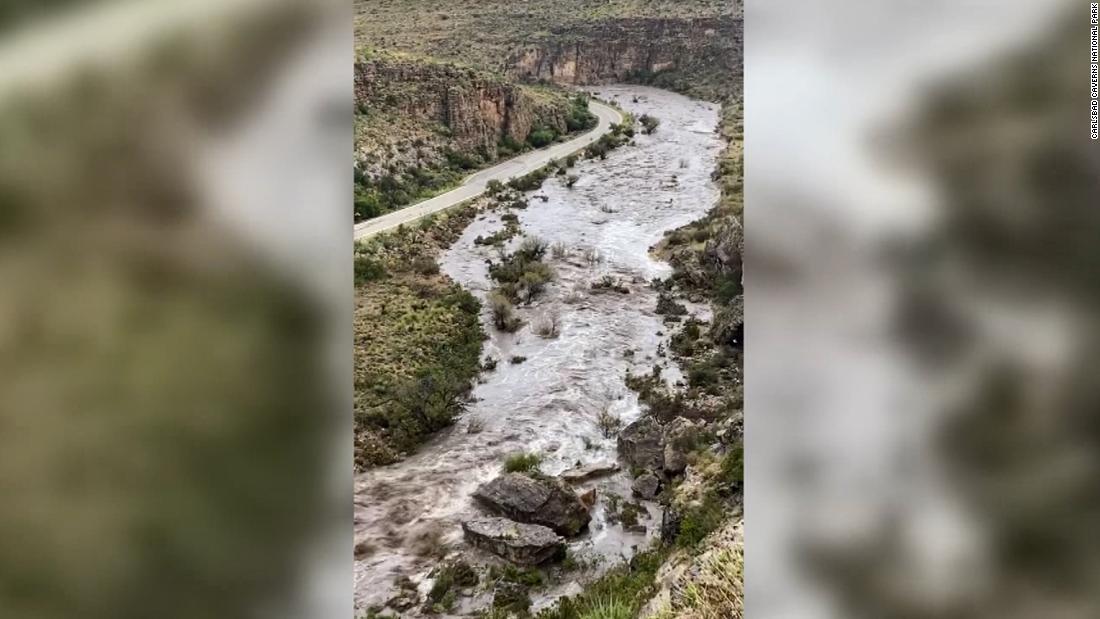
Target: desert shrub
{"x":574,"y":296}
{"x":533,"y":248}
{"x":559,"y":250}
{"x":733,"y":468}
{"x":522,"y":275}
{"x":504,"y":316}
{"x":726,"y":288}
{"x":494,"y":187}
{"x":517,"y":359}
{"x":523,"y":576}
{"x":592,"y":256}
{"x":509,"y":146}
{"x":649,"y":123}
{"x":548,"y":326}
{"x":425,"y":265}
{"x":700,"y":519}
{"x":668,"y":306}
{"x":368,"y":203}
{"x":368,"y":270}
{"x":499,"y":237}
{"x":609,"y":283}
{"x":608,"y":422}
{"x":579,"y":117}
{"x":541,"y":137}
{"x":526,"y":463}
{"x":530,"y":182}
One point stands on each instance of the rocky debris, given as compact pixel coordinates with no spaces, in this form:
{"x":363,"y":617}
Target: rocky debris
{"x":670,"y":524}
{"x":681,"y":436}
{"x":642,"y":444}
{"x":363,"y":549}
{"x":526,"y":544}
{"x":646,"y":485}
{"x":667,"y":306}
{"x":511,"y":597}
{"x":547,"y":502}
{"x":729,"y":324}
{"x":726,"y":249}
{"x":407,"y":595}
{"x":588,"y":498}
{"x":585,"y":472}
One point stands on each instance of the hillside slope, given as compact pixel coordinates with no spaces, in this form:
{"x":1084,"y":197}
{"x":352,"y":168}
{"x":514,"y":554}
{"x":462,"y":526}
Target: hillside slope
{"x":692,"y":46}
{"x":421,"y":126}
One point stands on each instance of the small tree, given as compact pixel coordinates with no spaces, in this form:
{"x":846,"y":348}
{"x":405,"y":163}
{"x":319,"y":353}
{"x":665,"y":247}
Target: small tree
{"x":608,"y":422}
{"x":504,"y":315}
{"x":649,"y":123}
{"x":549,"y":326}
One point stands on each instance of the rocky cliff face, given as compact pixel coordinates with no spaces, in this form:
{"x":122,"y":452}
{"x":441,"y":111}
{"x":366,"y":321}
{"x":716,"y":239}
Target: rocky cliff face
{"x":476,"y":110}
{"x":700,"y":55}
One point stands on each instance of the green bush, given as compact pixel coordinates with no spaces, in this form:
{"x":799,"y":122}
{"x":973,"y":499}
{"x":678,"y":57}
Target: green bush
{"x":425,"y":265}
{"x":542,"y":137}
{"x":623,"y":590}
{"x":522,"y":463}
{"x":368,"y":270}
{"x":699,"y":520}
{"x":530,"y":182}
{"x":580,"y":118}
{"x":503,"y":313}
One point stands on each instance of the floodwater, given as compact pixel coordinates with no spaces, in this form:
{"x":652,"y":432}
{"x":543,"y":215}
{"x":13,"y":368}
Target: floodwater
{"x":551,"y":402}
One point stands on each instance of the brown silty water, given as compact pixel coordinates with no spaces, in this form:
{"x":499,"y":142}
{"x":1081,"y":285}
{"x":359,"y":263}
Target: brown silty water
{"x":550,"y":403}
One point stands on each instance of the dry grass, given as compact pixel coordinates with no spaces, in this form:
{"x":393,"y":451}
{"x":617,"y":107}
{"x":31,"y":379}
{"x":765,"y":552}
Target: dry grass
{"x":715,"y":589}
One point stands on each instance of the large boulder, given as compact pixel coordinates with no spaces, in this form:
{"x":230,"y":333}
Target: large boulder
{"x":681,"y":436}
{"x":671,"y":519}
{"x":526,"y":544}
{"x":642,"y":444}
{"x":584,"y":472}
{"x":547,"y":502}
{"x":647,"y":485}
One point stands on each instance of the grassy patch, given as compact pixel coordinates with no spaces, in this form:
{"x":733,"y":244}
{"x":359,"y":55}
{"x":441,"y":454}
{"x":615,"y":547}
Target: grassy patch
{"x":522,"y":463}
{"x":622,"y":590}
{"x":417,"y":340}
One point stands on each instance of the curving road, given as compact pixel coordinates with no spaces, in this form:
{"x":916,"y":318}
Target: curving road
{"x":475,"y":185}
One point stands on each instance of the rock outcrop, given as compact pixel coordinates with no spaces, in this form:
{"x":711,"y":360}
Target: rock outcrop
{"x":681,"y":436}
{"x":677,"y":53}
{"x":647,"y":485}
{"x":642,"y":444}
{"x":545,"y":502}
{"x":476,"y":109}
{"x":525,"y":544}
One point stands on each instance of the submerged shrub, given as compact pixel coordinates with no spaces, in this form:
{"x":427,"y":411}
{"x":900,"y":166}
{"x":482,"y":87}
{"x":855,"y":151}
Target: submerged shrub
{"x":522,"y":463}
{"x":503,"y":312}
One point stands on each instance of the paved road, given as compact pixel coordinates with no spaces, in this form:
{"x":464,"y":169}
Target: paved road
{"x":475,"y":185}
